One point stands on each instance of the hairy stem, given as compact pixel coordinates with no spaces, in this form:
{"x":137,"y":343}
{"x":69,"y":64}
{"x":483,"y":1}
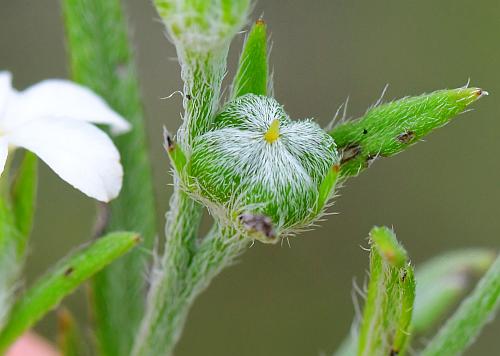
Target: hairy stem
{"x":201,"y":32}
{"x":184,"y":271}
{"x":202,"y":75}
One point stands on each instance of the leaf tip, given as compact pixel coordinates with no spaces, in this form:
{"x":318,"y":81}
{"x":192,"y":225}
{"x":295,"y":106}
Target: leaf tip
{"x":137,"y":239}
{"x":64,"y":320}
{"x":384,"y":240}
{"x":470,"y":95}
{"x":260,"y":22}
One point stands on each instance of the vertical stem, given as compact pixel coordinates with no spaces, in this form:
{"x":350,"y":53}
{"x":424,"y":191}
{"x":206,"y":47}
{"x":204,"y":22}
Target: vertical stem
{"x":161,"y":325}
{"x":202,"y":74}
{"x":173,"y":294}
{"x":177,"y":282}
{"x":183,"y":270}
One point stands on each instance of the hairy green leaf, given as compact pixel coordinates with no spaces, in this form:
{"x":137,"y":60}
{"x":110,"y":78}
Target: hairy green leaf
{"x":387,"y":129}
{"x":252,"y":75}
{"x":441,"y":281}
{"x":389,"y":302}
{"x":101,"y":58}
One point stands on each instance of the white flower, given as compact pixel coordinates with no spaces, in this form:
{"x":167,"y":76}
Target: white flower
{"x":52,"y":119}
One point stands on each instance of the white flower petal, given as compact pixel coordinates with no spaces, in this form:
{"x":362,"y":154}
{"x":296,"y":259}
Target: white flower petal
{"x":4,"y":151}
{"x":62,"y":99}
{"x":5,"y":90}
{"x":78,"y":152}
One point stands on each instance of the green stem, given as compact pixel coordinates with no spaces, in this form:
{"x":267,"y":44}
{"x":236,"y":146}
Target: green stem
{"x":160,"y":326}
{"x":464,"y":326}
{"x":175,"y":288}
{"x":174,"y":285}
{"x":202,"y":74}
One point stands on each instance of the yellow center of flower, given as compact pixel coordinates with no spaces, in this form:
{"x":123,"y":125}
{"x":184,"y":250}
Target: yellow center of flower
{"x":273,"y":132}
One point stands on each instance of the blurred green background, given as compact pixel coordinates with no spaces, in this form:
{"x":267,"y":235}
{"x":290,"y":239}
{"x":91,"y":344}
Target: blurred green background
{"x":439,"y":195}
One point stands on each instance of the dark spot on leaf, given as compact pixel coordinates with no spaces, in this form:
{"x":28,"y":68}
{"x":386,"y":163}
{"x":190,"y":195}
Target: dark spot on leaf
{"x":403,"y":276}
{"x":480,"y":92}
{"x":189,"y":97}
{"x":365,"y":131}
{"x":393,"y":352}
{"x":258,"y":223}
{"x":406,"y":137}
{"x":69,"y":271}
{"x":350,"y":152}
{"x":168,"y":142}
{"x":370,"y":159}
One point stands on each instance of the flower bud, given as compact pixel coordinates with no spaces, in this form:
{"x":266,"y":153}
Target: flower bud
{"x":202,"y":25}
{"x":257,"y":162}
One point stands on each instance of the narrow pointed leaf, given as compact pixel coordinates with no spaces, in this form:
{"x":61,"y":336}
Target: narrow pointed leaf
{"x":252,"y":75}
{"x":462,"y":329}
{"x":390,"y":128}
{"x":175,"y":153}
{"x":101,"y":58}
{"x":442,"y":280}
{"x":327,"y":187}
{"x":389,"y":302}
{"x":24,"y":193}
{"x":63,"y":279}
{"x":11,"y":259}
{"x":16,"y":219}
